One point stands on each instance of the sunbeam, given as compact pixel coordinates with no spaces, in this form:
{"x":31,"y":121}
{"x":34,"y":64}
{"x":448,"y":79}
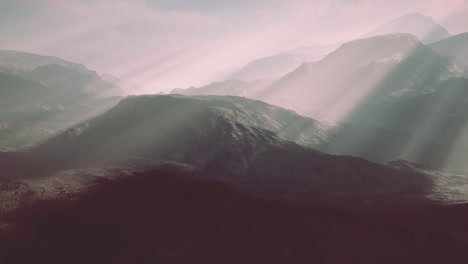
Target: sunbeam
{"x":233,"y":131}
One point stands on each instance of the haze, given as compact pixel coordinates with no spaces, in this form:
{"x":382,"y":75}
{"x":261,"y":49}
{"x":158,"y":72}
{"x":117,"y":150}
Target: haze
{"x":162,"y":44}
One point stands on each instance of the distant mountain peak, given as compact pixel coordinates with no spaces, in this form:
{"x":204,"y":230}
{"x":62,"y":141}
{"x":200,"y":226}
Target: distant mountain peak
{"x":12,"y":61}
{"x":375,"y":48}
{"x":423,"y":27}
{"x":416,"y":15}
{"x":404,"y":38}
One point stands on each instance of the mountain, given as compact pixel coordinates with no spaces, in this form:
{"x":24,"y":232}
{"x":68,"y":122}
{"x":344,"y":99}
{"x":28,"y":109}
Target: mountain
{"x":368,"y":139}
{"x":279,"y":64}
{"x":15,"y":62}
{"x":375,"y":77}
{"x":454,"y":46}
{"x":42,"y":95}
{"x":448,"y":101}
{"x":20,"y":130}
{"x":370,"y":142}
{"x":439,"y":116}
{"x":127,"y":87}
{"x":423,"y":27}
{"x":375,"y":69}
{"x":69,"y":79}
{"x":220,"y":138}
{"x":357,"y":84}
{"x":229,"y":87}
{"x":165,"y":217}
{"x":110,"y":79}
{"x":77,"y":84}
{"x":269,"y":67}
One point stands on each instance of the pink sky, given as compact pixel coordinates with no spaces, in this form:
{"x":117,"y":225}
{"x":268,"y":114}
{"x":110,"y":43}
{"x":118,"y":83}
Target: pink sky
{"x":164,"y":44}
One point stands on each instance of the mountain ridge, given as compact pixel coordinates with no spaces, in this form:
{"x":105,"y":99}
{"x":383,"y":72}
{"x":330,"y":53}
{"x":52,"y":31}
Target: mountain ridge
{"x":206,"y":134}
{"x":424,"y":27}
{"x":42,"y":95}
{"x":454,"y":46}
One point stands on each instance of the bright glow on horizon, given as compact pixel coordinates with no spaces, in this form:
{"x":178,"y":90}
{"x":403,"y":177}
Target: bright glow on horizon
{"x":171,"y":44}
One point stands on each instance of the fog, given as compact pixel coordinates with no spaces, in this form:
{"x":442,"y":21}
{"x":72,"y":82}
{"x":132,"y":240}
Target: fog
{"x":161,"y":44}
{"x":233,"y":131}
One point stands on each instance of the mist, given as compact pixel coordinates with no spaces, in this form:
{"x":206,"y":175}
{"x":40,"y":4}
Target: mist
{"x":248,"y":131}
{"x":161,"y":45}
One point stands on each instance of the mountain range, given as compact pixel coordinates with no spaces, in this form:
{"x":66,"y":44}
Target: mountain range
{"x":231,"y":138}
{"x":364,"y":65}
{"x":364,"y":83}
{"x":358,"y":146}
{"x":423,"y":27}
{"x":281,"y":63}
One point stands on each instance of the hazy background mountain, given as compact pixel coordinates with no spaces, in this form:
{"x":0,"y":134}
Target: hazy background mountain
{"x":42,"y":95}
{"x":358,"y":146}
{"x":15,"y":62}
{"x":57,"y":81}
{"x":282,"y":63}
{"x":373,"y":69}
{"x":229,"y":87}
{"x":162,"y":44}
{"x":423,"y":27}
{"x":383,"y":65}
{"x":454,"y":46}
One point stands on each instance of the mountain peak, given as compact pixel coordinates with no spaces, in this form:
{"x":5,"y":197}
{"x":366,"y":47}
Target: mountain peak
{"x":415,"y":15}
{"x":12,"y":61}
{"x":423,"y":27}
{"x":409,"y":38}
{"x":373,"y":48}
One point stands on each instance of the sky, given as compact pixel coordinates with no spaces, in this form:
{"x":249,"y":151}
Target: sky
{"x":165,"y":44}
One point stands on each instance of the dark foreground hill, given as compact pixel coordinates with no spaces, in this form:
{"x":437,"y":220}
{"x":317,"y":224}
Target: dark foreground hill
{"x":163,"y":217}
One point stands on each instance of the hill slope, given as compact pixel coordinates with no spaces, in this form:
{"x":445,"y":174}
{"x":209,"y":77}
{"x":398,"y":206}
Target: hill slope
{"x":454,"y":46}
{"x":221,"y":138}
{"x":282,"y":63}
{"x":373,"y":69}
{"x":163,"y":217}
{"x":41,"y":95}
{"x":425,"y":28}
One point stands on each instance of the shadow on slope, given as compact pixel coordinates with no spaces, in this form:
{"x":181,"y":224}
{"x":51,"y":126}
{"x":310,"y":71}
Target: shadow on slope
{"x":162,"y":217}
{"x":218,"y":137}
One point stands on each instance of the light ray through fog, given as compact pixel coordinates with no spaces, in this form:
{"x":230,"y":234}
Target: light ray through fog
{"x":430,"y":127}
{"x":170,"y":46}
{"x":455,"y":159}
{"x":456,"y":122}
{"x":333,"y":87}
{"x":426,"y":130}
{"x":344,"y":104}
